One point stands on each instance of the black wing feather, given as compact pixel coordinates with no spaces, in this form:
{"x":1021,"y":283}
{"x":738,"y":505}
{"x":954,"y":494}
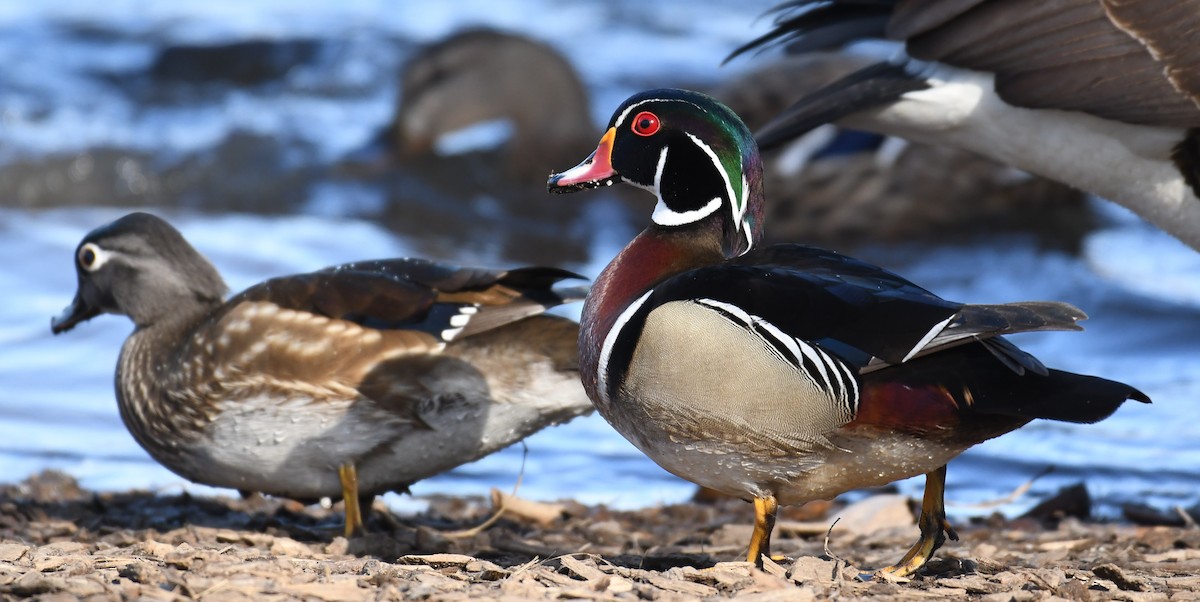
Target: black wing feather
{"x":851,"y":308}
{"x":411,"y":294}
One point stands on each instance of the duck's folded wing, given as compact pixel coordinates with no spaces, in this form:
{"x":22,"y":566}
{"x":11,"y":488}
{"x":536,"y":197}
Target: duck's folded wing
{"x":498,"y":297}
{"x":444,"y":301}
{"x":860,"y":313}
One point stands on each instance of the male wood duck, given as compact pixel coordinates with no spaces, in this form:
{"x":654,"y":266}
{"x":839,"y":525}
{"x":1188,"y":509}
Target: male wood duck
{"x":787,"y":373}
{"x":346,"y":382}
{"x":1099,"y":94}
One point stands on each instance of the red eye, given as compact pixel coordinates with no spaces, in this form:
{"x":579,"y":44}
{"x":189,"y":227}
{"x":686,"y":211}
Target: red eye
{"x":646,"y":124}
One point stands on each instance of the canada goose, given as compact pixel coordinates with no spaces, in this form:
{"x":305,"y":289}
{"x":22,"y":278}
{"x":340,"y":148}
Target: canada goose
{"x":1099,"y":94}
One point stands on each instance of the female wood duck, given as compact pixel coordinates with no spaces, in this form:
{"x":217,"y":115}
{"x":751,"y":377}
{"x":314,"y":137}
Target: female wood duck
{"x":351,"y":381}
{"x":1099,"y":94}
{"x":787,"y":373}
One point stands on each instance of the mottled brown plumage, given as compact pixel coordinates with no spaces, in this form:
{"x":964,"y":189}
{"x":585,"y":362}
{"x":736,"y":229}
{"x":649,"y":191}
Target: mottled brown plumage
{"x":372,"y":374}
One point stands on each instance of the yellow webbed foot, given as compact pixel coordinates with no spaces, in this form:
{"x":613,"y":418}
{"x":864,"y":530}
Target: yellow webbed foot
{"x":764,"y":523}
{"x":934,"y":528}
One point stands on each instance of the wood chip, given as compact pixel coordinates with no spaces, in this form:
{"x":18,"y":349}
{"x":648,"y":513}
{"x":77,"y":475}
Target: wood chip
{"x":346,"y":590}
{"x":12,"y":552}
{"x":542,"y":513}
{"x":437,"y":561}
{"x":1069,"y":544}
{"x":681,"y":586}
{"x":1174,"y":556}
{"x":1126,"y":582}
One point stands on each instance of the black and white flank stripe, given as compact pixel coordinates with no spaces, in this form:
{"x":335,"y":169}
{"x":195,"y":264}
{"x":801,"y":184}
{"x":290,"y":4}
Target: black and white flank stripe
{"x":824,"y":371}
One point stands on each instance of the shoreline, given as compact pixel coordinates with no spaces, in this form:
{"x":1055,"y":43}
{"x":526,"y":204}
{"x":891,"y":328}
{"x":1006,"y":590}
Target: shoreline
{"x":58,"y":541}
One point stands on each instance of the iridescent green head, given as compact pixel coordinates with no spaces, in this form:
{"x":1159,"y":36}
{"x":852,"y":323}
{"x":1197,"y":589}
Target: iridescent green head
{"x":692,"y":152}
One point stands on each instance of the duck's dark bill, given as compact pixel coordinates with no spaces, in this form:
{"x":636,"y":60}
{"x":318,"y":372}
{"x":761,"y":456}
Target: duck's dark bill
{"x":76,"y":312}
{"x":554,"y":184}
{"x":594,"y":172}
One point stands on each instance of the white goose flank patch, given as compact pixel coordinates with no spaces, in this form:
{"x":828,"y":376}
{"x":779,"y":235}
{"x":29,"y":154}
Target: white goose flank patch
{"x":611,"y":339}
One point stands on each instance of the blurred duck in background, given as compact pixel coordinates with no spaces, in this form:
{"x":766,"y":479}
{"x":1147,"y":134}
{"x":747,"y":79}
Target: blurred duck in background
{"x":344,"y":383}
{"x":836,"y":188}
{"x":480,"y":75}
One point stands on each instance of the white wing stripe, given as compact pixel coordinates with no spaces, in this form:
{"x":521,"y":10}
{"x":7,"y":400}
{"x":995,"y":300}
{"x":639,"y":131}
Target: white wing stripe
{"x":933,"y":332}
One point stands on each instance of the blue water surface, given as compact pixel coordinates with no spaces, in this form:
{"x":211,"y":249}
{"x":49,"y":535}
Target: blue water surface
{"x":57,"y":409}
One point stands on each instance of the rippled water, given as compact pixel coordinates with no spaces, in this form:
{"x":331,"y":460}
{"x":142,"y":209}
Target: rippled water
{"x":249,"y":175}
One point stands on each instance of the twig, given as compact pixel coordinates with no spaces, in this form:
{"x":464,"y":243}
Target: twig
{"x":827,"y":534}
{"x":838,"y":562}
{"x":472,"y":532}
{"x":1188,"y":521}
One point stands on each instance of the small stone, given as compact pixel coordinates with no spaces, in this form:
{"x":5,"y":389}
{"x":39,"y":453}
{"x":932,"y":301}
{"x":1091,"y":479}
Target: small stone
{"x":142,"y":572}
{"x":810,"y":570}
{"x":984,"y":550}
{"x":286,"y":546}
{"x":876,"y":513}
{"x":338,"y":547}
{"x":156,"y":549}
{"x":63,"y":548}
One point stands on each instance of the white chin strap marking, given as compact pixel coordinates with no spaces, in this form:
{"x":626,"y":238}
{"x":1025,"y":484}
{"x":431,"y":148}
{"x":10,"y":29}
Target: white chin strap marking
{"x":663,"y":215}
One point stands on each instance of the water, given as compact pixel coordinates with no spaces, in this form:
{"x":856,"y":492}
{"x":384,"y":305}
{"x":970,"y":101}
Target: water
{"x":74,"y":96}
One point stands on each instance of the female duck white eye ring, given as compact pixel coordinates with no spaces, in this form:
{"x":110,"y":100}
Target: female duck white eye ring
{"x":91,"y":257}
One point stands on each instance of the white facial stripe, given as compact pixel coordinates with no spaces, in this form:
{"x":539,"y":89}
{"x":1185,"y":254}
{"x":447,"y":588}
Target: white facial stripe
{"x":610,"y":340}
{"x":739,"y":215}
{"x":658,"y":173}
{"x":720,"y":169}
{"x":737,"y":206}
{"x":739,"y":212}
{"x":663,"y":215}
{"x":621,"y":118}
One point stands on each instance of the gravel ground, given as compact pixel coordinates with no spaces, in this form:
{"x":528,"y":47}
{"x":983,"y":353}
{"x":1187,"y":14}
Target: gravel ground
{"x":59,"y":542}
